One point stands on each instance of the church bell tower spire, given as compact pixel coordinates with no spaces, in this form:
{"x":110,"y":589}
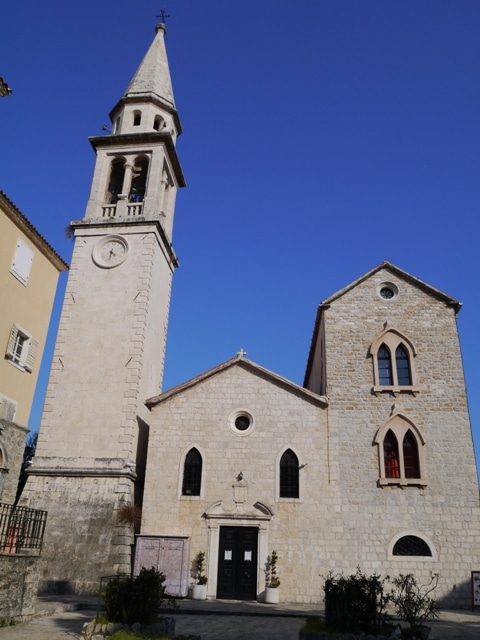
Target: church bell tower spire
{"x":109,"y":354}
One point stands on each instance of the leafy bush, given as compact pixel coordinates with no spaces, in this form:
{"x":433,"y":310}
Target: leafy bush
{"x":129,"y":600}
{"x":355,"y":603}
{"x":413,"y":602}
{"x":198,"y":568}
{"x":271,"y":578}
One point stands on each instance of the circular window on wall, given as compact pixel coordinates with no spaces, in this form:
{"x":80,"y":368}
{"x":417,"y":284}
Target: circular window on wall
{"x":388,"y":291}
{"x":241,"y":422}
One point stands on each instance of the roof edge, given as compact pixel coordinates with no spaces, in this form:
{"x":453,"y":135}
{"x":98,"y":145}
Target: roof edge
{"x":400,"y":273}
{"x":246,"y":364}
{"x":14,"y":213}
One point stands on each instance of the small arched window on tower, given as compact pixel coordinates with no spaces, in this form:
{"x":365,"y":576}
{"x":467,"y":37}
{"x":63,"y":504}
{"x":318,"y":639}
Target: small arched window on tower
{"x":158,"y":123}
{"x":289,"y":475}
{"x":139,"y":180}
{"x":137,"y":118}
{"x":115,"y":184}
{"x":192,"y":473}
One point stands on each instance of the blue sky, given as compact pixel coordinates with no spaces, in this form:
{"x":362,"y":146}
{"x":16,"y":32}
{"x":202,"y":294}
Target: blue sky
{"x":320,"y":138}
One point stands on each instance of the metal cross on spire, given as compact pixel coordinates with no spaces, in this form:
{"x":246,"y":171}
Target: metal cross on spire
{"x":163,"y":15}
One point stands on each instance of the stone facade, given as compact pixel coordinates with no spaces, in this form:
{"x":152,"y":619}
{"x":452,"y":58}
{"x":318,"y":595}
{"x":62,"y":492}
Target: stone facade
{"x":443,"y":508}
{"x":349,"y":512}
{"x":12,"y":446}
{"x":18,"y":585}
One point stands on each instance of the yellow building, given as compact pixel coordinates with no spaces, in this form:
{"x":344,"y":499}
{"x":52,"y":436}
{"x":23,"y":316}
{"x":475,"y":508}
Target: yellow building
{"x":29,"y":269}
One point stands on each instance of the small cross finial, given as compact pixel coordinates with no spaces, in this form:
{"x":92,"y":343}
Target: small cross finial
{"x":163,"y":15}
{"x":241,"y":353}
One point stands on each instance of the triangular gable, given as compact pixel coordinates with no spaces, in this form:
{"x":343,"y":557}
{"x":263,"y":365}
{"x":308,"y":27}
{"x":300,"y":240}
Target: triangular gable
{"x":428,"y":289}
{"x":401,"y":274}
{"x":248,"y":365}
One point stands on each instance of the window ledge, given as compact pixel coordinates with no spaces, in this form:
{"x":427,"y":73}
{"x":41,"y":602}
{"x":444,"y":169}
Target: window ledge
{"x":188,"y":497}
{"x":17,"y":365}
{"x":395,"y":389}
{"x":403,"y":482}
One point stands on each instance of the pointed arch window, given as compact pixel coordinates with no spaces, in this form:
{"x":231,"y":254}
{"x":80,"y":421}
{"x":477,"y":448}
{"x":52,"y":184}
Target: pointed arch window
{"x":402,"y":362}
{"x":393,"y":363}
{"x":391,"y":457}
{"x":384,"y":366}
{"x":137,"y":118}
{"x":410,"y":456}
{"x":192,"y":473}
{"x":289,"y":475}
{"x":400,"y":446}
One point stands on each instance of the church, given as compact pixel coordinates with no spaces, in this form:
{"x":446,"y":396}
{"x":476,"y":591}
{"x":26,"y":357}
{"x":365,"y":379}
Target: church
{"x":369,"y":464}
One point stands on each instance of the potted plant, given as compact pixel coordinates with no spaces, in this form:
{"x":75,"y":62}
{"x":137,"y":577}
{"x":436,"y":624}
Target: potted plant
{"x":199,"y":589}
{"x":272,"y":581}
{"x":414,"y":604}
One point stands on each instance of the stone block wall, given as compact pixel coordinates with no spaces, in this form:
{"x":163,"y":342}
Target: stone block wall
{"x":12,"y":446}
{"x":19,"y":577}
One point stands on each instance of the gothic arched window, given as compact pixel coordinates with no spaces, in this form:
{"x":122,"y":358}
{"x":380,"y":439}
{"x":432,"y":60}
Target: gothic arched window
{"x":400,"y":448}
{"x":393,"y":367}
{"x":384,"y":366}
{"x":192,"y":473}
{"x":410,"y":456}
{"x":390,"y":454}
{"x":289,"y":476}
{"x":402,"y":363}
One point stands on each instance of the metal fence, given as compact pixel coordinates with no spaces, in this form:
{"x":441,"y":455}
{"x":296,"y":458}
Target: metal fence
{"x":21,"y":529}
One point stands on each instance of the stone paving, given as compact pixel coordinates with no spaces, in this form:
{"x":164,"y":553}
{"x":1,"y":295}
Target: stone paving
{"x":60,"y":619}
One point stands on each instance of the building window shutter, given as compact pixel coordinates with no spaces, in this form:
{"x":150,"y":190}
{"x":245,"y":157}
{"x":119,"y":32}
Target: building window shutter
{"x":11,"y":342}
{"x":22,"y":262}
{"x":32,"y":352}
{"x":21,"y":348}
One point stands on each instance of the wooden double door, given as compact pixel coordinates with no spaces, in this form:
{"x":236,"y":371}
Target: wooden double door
{"x":237,"y":563}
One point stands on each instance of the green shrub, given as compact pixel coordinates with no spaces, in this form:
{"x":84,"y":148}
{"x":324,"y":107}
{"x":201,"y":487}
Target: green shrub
{"x":129,"y":600}
{"x":413,"y":602}
{"x":355,"y":603}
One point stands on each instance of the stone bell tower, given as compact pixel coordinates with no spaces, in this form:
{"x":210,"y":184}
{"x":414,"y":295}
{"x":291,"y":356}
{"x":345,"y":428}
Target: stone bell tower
{"x":109,"y":354}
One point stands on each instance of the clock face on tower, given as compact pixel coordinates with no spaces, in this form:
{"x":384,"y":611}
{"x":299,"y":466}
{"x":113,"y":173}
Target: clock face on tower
{"x":110,"y":251}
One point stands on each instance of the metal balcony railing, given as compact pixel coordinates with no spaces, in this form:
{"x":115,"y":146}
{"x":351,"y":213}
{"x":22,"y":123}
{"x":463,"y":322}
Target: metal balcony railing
{"x":21,"y":529}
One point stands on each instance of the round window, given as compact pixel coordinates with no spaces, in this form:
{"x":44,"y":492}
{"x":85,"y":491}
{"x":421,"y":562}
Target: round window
{"x":241,"y":422}
{"x":388,"y":291}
